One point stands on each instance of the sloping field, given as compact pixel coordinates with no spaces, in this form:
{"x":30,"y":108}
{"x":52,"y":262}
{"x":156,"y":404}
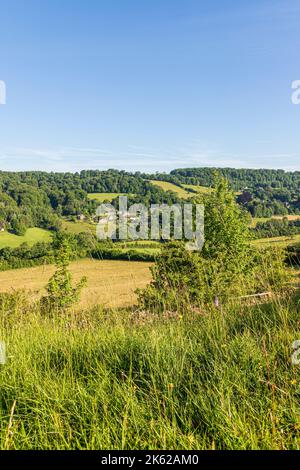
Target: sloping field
{"x":198,"y":189}
{"x":32,"y":236}
{"x":166,"y":186}
{"x":101,"y":197}
{"x":110,"y":283}
{"x":78,"y":227}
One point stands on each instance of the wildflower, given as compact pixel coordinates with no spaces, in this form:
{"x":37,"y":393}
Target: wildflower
{"x":170,"y":386}
{"x":293,"y":382}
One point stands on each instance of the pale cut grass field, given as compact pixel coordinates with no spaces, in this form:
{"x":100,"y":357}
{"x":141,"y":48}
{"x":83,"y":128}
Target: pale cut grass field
{"x":166,"y":186}
{"x":289,"y":217}
{"x":101,"y":197}
{"x":109,"y":283}
{"x":198,"y":189}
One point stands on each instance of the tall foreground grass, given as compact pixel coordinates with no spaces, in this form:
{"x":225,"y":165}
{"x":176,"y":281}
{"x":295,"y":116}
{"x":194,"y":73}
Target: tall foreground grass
{"x":97,"y":380}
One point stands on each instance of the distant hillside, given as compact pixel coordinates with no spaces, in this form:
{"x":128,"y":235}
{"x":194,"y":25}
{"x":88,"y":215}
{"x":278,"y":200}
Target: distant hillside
{"x":41,"y":199}
{"x":263,"y":193}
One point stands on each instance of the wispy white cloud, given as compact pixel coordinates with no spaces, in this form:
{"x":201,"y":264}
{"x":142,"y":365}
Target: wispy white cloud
{"x":138,"y":158}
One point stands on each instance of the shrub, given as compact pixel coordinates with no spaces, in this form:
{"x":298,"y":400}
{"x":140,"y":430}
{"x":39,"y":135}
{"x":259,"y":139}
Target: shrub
{"x":228,"y":266}
{"x":61,"y":293}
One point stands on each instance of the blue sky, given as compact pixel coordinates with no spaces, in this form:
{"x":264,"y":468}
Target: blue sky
{"x":149,"y":84}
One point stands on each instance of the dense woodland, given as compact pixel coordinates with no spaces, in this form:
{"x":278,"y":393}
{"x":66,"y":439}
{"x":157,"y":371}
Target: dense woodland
{"x":40,"y":199}
{"x":262,"y":192}
{"x":30,"y":199}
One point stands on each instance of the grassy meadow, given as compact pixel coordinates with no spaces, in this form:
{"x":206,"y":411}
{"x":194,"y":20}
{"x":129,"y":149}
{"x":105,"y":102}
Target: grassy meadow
{"x":104,"y":197}
{"x":183,"y":191}
{"x":166,"y":186}
{"x":109,"y":283}
{"x":78,"y":226}
{"x":32,"y":236}
{"x":197,"y":188}
{"x":108,"y":374}
{"x":221,"y":379}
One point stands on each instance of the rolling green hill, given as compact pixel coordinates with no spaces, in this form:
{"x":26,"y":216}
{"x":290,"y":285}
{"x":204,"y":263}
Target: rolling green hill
{"x":166,"y":186}
{"x":198,"y":189}
{"x":32,"y":236}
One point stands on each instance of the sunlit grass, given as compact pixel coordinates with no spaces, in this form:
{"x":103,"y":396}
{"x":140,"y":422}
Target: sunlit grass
{"x":109,"y":282}
{"x":102,"y":197}
{"x":78,"y":226}
{"x":282,"y":242}
{"x":198,"y":189}
{"x":256,"y":220}
{"x":166,"y":186}
{"x":117,"y":380}
{"x":32,"y":236}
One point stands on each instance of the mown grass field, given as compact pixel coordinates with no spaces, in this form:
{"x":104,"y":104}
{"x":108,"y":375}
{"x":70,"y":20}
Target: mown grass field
{"x":32,"y":236}
{"x":109,"y":283}
{"x":101,"y":197}
{"x":289,"y":217}
{"x":198,"y":189}
{"x":166,"y":186}
{"x":186,"y":191}
{"x":78,"y":226}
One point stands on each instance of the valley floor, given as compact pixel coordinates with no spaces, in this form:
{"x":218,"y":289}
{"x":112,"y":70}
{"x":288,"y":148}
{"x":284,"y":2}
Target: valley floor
{"x":109,"y":283}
